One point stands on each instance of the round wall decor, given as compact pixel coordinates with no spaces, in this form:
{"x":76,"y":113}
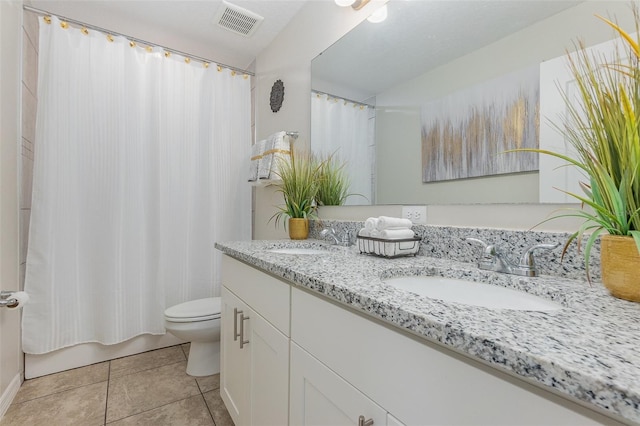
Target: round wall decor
{"x":277,"y":95}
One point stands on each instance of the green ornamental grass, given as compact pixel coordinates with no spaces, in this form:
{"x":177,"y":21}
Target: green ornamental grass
{"x":333,"y":182}
{"x":603,"y":129}
{"x":299,"y":185}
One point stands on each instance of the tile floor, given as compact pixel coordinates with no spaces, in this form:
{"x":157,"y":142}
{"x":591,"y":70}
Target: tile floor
{"x":151,"y":388}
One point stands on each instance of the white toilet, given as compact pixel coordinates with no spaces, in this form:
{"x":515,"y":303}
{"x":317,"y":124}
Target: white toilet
{"x":198,"y":322}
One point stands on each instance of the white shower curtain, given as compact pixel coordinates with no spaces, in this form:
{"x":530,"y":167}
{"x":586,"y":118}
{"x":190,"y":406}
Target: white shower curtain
{"x":135,"y":178}
{"x":346,"y":129}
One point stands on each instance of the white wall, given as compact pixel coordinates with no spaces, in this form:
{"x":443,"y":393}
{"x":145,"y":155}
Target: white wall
{"x":398,"y":136}
{"x":10,"y":43}
{"x":319,"y":24}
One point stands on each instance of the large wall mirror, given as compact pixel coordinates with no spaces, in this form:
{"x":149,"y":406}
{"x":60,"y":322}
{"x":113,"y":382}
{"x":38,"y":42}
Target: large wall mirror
{"x":369,"y":87}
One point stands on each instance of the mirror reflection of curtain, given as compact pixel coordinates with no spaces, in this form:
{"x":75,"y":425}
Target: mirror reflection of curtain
{"x":135,"y":178}
{"x":346,"y":129}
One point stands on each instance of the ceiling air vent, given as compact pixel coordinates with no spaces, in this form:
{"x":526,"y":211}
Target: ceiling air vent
{"x":237,"y":19}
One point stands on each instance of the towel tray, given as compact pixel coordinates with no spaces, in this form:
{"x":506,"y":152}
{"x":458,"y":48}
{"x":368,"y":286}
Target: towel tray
{"x":389,"y":248}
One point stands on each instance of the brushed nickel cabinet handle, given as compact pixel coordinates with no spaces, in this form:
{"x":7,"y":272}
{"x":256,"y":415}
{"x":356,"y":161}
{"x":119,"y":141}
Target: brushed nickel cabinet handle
{"x":242,"y":341}
{"x":363,"y":422}
{"x":235,"y":324}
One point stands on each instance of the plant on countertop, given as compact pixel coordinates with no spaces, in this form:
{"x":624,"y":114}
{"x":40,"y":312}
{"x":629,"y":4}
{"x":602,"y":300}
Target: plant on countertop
{"x":298,"y":185}
{"x":604,"y":131}
{"x":333,"y":182}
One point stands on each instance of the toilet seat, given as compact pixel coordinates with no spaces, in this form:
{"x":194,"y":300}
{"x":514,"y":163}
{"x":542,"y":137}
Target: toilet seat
{"x":195,"y":310}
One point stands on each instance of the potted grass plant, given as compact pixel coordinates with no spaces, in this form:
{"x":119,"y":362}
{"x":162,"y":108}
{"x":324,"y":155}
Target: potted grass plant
{"x":333,"y":182}
{"x":604,"y":131}
{"x":298,"y":183}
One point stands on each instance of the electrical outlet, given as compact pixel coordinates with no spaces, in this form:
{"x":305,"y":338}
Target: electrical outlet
{"x":416,"y":214}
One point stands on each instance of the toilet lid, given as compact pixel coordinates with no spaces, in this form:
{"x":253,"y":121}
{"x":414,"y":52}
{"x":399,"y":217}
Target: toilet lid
{"x":194,"y":310}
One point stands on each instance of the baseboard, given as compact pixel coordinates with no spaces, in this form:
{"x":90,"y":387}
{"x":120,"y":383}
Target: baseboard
{"x":9,"y":393}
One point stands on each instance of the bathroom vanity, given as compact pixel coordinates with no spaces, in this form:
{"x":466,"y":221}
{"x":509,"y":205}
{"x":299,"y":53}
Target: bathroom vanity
{"x":321,"y":339}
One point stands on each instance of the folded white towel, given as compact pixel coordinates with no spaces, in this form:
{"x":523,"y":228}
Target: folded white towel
{"x":275,"y":146}
{"x":396,"y":234}
{"x":264,"y":169}
{"x":385,"y":222}
{"x":371,"y":223}
{"x":364,"y":232}
{"x":280,"y":150}
{"x":255,"y":161}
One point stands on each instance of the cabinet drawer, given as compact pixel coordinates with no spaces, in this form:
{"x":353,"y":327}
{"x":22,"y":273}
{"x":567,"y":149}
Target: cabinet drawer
{"x":266,"y":294}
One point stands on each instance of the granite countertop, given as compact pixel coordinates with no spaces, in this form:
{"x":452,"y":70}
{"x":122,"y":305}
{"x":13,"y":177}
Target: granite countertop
{"x":589,"y":350}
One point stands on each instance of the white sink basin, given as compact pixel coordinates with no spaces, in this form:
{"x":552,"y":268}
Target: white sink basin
{"x":298,"y":250}
{"x":472,"y":293}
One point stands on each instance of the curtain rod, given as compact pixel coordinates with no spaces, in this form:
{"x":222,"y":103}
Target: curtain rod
{"x":343,"y":98}
{"x":137,"y":40}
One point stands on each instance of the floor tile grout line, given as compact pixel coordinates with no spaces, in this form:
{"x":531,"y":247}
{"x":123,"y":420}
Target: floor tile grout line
{"x":106,"y":400}
{"x":110,"y":371}
{"x":155,"y":350}
{"x":208,"y":409}
{"x":93,"y":364}
{"x":184,"y":352}
{"x":155,"y":408}
{"x":57,"y":373}
{"x":147,"y":352}
{"x":59,"y":391}
{"x":198,"y":385}
{"x":147,"y":369}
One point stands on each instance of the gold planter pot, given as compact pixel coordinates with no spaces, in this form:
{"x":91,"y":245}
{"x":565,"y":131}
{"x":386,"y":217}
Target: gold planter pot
{"x":620,"y":263}
{"x":298,"y":228}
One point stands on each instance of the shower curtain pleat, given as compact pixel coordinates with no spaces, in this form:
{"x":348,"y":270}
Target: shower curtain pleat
{"x":341,"y":129}
{"x":135,"y":178}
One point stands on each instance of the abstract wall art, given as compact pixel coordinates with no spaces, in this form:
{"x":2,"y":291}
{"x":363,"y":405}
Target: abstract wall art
{"x":465,"y":134}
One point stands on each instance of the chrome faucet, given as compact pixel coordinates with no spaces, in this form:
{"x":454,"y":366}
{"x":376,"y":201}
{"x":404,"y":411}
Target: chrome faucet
{"x":345,"y":240}
{"x":494,"y":260}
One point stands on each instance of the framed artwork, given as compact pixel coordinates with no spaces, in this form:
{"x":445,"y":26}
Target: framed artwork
{"x":465,"y":134}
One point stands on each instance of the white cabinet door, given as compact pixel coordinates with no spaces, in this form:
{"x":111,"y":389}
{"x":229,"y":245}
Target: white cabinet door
{"x":392,"y":421}
{"x":234,"y":361}
{"x":321,"y":397}
{"x":269,"y":372}
{"x":254,"y":378}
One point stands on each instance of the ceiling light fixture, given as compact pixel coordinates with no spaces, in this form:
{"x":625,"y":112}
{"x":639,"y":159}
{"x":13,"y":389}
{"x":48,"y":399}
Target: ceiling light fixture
{"x":359,"y":4}
{"x":379,"y":15}
{"x":355,"y":4}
